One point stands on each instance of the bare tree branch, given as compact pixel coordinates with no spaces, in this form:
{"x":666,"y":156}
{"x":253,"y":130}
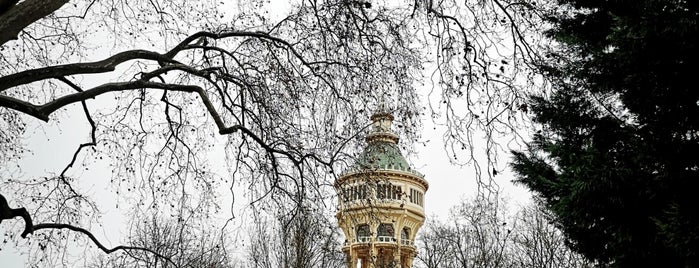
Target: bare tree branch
{"x":95,"y":241}
{"x":106,"y":65}
{"x":93,"y":140}
{"x":23,"y":14}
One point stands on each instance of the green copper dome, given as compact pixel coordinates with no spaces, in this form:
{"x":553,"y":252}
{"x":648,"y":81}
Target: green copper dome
{"x":381,"y":151}
{"x":381,"y":154}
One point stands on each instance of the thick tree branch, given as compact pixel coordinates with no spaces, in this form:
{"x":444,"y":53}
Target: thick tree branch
{"x":97,"y":242}
{"x":6,"y":5}
{"x":20,"y":106}
{"x":7,"y":213}
{"x":23,"y":14}
{"x":42,"y":112}
{"x":106,"y":65}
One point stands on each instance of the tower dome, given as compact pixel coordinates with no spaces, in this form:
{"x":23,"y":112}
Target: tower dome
{"x":381,"y":151}
{"x":380,"y":201}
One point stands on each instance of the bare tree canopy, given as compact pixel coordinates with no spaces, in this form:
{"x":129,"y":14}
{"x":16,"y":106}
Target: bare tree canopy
{"x":161,"y":83}
{"x":170,"y":244}
{"x":308,"y":239}
{"x":479,"y":234}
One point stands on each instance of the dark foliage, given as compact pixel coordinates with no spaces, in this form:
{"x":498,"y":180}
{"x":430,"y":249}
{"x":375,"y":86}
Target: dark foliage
{"x":616,"y":159}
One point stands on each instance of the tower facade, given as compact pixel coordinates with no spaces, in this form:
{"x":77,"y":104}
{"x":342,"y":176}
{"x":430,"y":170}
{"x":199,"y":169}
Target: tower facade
{"x":381,"y":202}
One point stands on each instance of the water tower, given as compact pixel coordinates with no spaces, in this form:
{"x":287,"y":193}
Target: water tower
{"x":381,"y":202}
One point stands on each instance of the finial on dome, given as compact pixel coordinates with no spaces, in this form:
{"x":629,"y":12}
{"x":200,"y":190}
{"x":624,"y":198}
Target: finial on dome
{"x":382,"y":120}
{"x":382,"y":110}
{"x":382,"y":107}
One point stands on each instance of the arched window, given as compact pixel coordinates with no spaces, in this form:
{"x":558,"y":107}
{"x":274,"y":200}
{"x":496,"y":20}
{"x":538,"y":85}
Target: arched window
{"x":363,"y":233}
{"x":405,"y":233}
{"x":385,"y":233}
{"x":386,"y":229}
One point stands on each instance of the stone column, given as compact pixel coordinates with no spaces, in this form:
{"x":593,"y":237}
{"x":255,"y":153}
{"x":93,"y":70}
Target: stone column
{"x":409,"y":261}
{"x":352,"y":262}
{"x":396,"y":257}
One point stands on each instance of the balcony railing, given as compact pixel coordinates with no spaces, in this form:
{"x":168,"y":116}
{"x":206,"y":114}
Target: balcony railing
{"x":364,"y":239}
{"x":385,"y":239}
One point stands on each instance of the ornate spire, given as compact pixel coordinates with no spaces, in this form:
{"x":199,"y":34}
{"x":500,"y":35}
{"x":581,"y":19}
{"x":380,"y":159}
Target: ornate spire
{"x":382,"y":107}
{"x":382,"y":120}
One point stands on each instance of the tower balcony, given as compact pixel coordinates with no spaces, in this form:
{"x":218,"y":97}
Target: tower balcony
{"x":362,"y":241}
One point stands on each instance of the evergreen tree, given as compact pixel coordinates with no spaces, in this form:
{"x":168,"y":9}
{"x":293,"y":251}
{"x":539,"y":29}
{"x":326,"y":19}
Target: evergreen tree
{"x":616,"y":159}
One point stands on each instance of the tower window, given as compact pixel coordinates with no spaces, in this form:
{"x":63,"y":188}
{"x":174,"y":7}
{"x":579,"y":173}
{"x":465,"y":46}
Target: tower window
{"x":363,"y":233}
{"x":405,"y":233}
{"x":380,"y":191}
{"x":396,"y":192}
{"x":385,"y":232}
{"x":386,"y":229}
{"x":362,"y":190}
{"x":355,"y":192}
{"x":388,"y":191}
{"x":416,"y":197}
